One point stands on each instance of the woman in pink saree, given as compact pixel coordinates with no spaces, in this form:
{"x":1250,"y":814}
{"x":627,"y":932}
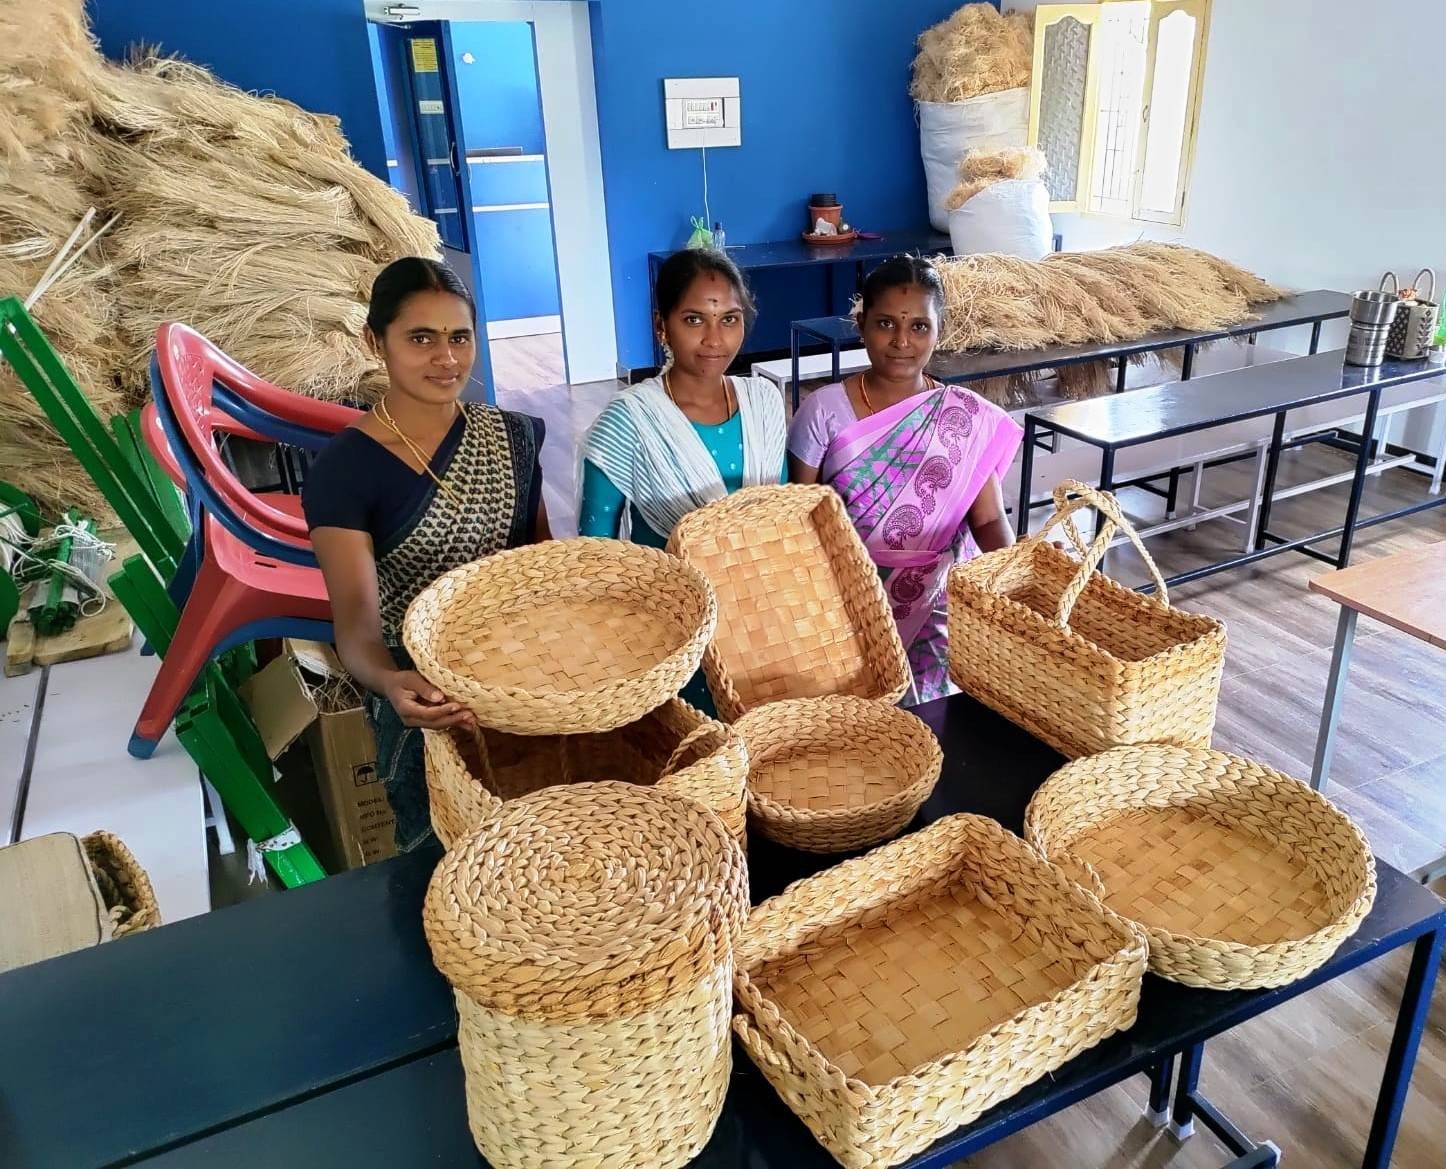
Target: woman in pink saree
{"x":918,"y":464}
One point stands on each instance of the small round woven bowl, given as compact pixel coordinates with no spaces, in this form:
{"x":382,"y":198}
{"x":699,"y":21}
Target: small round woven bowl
{"x":588,"y":932}
{"x":563,"y":637}
{"x":1240,"y":876}
{"x":838,"y":773}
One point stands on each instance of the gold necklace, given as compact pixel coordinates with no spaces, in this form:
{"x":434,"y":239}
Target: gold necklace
{"x":383,"y":415}
{"x":929,"y":384}
{"x":727,"y":396}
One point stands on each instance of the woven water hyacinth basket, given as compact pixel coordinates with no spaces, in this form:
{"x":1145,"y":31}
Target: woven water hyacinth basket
{"x":801,"y":610}
{"x":674,"y":747}
{"x":838,"y":773}
{"x":1078,"y":660}
{"x":564,"y":636}
{"x":124,"y":885}
{"x":901,"y":994}
{"x":1242,"y":877}
{"x":588,"y":932}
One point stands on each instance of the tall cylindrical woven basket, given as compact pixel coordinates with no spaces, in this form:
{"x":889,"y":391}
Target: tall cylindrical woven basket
{"x":588,"y":932}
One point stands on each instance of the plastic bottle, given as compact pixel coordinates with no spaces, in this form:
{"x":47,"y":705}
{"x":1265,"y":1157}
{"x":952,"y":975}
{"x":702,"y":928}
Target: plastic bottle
{"x":720,"y":239}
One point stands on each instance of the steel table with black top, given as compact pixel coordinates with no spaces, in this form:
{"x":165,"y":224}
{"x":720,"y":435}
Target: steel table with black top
{"x":1306,"y":308}
{"x":795,"y":253}
{"x":310,"y":1028}
{"x":1116,"y":422}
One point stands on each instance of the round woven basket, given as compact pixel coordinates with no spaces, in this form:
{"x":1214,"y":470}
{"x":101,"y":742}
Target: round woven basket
{"x":837,"y":773}
{"x":588,"y":932}
{"x":564,"y":636}
{"x":674,"y":747}
{"x":124,"y":885}
{"x":1241,"y":877}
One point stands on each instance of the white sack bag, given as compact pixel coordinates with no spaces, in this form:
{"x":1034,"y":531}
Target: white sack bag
{"x":1009,"y":217}
{"x":948,"y":129}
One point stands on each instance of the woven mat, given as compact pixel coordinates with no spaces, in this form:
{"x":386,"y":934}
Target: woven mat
{"x":882,"y":999}
{"x":828,"y":776}
{"x":1180,"y":870}
{"x":783,"y":627}
{"x":577,"y":646}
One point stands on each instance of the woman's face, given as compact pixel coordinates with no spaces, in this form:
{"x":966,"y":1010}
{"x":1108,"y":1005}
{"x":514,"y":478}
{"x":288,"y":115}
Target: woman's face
{"x":430,"y":348}
{"x":900,"y":331}
{"x":706,"y":329}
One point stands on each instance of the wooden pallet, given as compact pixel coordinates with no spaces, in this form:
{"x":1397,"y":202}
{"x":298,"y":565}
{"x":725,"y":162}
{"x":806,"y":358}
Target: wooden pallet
{"x":108,"y":631}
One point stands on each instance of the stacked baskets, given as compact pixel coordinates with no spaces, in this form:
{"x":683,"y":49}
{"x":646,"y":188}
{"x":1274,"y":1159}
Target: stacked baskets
{"x":808,"y":665}
{"x":588,"y":933}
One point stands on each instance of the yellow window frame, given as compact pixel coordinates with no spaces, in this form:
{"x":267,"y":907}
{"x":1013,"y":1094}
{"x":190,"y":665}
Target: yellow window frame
{"x":1047,"y":15}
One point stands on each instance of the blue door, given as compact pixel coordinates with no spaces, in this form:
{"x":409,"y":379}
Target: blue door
{"x":415,"y":90}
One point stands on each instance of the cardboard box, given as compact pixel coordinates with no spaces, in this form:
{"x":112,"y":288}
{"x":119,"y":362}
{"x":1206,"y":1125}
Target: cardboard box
{"x":305,"y":693}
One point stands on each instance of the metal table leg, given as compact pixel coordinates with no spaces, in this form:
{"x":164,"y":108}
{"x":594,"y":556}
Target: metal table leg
{"x":1358,"y":484}
{"x":1121,"y":378}
{"x":1182,"y":1118}
{"x":1026,"y":478}
{"x":1107,"y":481}
{"x":793,"y":346}
{"x":1315,"y":337}
{"x":1267,"y":494}
{"x":1187,"y":367}
{"x":1325,"y":742}
{"x":1157,"y":1111}
{"x":1410,"y":1023}
{"x":1252,"y":517}
{"x":834,"y":347}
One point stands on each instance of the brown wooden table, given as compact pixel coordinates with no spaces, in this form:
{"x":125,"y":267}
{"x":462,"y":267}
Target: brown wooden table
{"x":1406,"y":591}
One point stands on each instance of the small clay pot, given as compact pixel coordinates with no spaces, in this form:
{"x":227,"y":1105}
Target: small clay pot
{"x":825,"y":207}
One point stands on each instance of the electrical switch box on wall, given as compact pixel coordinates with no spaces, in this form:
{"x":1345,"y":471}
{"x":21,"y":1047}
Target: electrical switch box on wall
{"x":703,"y":111}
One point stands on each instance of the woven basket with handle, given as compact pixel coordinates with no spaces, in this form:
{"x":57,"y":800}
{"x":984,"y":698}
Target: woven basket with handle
{"x":124,"y":885}
{"x":588,"y":931}
{"x":901,"y":994}
{"x":674,"y":747}
{"x":837,"y":773}
{"x":564,"y":636}
{"x":1242,"y":877}
{"x":801,"y":609}
{"x":1077,"y":659}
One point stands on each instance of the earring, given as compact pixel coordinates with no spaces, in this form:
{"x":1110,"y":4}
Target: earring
{"x":667,"y":355}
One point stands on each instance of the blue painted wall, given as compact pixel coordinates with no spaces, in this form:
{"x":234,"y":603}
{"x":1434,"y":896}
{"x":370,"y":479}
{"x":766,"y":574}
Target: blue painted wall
{"x":313,"y":52}
{"x":502,"y":107}
{"x":825,"y":107}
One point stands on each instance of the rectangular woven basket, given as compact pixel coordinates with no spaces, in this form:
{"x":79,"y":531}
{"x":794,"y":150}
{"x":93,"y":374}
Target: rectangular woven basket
{"x":802,"y":612}
{"x":898,"y":996}
{"x":1079,"y":660}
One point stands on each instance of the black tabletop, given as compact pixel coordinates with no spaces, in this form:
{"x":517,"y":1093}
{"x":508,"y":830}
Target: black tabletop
{"x":312,"y":1025}
{"x":1121,"y":420}
{"x":1303,"y":309}
{"x":795,"y":253}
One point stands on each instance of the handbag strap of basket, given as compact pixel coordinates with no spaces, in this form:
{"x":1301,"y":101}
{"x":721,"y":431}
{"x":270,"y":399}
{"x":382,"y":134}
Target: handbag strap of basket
{"x":691,"y":740}
{"x":1065,"y":508}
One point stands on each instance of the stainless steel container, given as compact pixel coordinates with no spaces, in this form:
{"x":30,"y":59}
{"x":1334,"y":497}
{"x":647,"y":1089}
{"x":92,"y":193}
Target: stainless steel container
{"x":1367,"y":344}
{"x":1377,"y":307}
{"x":1413,"y":331}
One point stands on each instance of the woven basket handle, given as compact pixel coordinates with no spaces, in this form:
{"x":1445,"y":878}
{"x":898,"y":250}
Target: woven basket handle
{"x":691,"y":740}
{"x":1108,"y":506}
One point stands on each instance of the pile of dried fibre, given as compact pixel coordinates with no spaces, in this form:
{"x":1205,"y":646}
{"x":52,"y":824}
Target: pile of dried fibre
{"x":983,"y":168}
{"x":1075,"y":298}
{"x":45,"y":62}
{"x":976,"y":51}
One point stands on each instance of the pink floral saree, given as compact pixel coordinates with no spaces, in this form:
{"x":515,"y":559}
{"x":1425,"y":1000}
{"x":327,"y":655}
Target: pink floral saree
{"x":908,"y":476}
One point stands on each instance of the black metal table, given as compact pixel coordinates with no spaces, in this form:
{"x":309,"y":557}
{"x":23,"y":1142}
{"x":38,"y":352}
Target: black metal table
{"x":795,"y":253}
{"x":1307,"y":308}
{"x":1113,"y":423}
{"x":311,"y":1029}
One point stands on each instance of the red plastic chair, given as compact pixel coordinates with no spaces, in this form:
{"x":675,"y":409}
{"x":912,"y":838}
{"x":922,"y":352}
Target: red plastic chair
{"x":241,"y":593}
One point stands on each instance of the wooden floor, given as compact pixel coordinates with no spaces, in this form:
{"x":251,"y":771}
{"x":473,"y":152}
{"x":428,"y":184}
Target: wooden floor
{"x":1304,"y":1076}
{"x":520,"y":364}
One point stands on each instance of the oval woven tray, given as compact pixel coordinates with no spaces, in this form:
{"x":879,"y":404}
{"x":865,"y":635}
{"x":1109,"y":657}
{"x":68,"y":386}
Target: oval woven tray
{"x":837,"y":773}
{"x":674,"y":747}
{"x":564,"y":636}
{"x":1242,"y":877}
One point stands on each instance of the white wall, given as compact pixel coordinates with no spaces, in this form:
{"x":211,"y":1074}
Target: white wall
{"x":1321,"y":159}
